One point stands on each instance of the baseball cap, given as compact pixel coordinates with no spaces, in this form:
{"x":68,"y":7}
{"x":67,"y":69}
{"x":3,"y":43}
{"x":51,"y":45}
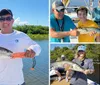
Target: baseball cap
{"x":62,"y":56}
{"x":82,"y":48}
{"x":5,"y":12}
{"x":58,"y":5}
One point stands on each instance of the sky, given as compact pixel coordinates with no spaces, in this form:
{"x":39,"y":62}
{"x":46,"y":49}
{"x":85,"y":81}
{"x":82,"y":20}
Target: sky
{"x":78,"y":3}
{"x":31,"y":12}
{"x":52,"y":46}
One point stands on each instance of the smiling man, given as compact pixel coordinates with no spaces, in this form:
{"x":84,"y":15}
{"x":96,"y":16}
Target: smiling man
{"x":11,"y":69}
{"x":60,"y":24}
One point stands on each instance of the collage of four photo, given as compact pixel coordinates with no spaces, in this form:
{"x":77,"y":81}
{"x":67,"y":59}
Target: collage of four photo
{"x":50,"y":42}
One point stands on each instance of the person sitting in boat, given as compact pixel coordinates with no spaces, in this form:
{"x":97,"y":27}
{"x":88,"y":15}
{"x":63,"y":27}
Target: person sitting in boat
{"x":61,"y":69}
{"x":60,"y":24}
{"x":86,"y":23}
{"x":62,"y":57}
{"x":96,"y":13}
{"x":80,"y":78}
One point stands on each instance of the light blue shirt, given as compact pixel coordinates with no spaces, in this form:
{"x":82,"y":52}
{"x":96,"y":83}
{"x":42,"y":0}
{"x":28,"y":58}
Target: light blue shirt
{"x":96,"y":14}
{"x":68,"y":24}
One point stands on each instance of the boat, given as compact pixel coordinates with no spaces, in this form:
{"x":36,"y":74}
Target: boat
{"x":70,"y":10}
{"x":53,"y":79}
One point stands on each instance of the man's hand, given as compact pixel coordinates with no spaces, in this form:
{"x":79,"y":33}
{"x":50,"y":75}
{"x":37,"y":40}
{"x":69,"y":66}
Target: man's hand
{"x":29,"y":53}
{"x":88,"y":71}
{"x":74,"y":33}
{"x":97,"y":39}
{"x":92,"y":33}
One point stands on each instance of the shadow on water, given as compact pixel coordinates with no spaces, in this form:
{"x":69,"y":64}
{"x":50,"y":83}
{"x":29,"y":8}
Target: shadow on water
{"x":39,"y":76}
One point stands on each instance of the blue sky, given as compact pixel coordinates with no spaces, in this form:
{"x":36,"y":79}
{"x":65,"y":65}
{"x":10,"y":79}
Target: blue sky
{"x":52,"y":46}
{"x":28,"y":11}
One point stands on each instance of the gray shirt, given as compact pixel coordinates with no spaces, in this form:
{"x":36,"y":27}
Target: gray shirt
{"x":80,"y":78}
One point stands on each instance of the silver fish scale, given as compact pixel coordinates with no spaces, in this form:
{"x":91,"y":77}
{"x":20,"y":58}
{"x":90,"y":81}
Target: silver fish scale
{"x":4,"y":53}
{"x":73,"y":66}
{"x":87,"y":30}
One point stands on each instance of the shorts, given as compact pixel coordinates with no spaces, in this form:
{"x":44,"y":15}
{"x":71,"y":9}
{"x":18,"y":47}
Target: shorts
{"x":60,"y":70}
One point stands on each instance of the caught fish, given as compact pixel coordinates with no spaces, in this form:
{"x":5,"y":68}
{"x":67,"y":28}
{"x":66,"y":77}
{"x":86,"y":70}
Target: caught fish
{"x":7,"y":54}
{"x":87,"y":30}
{"x":73,"y":66}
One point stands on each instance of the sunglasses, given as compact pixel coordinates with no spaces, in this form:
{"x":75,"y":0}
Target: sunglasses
{"x":6,"y":18}
{"x":62,"y":10}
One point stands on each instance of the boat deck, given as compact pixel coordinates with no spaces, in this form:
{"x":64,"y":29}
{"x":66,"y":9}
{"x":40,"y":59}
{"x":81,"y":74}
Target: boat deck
{"x":63,"y":82}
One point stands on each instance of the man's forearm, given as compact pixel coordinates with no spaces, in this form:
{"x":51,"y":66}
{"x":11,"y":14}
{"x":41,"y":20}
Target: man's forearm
{"x":55,"y":34}
{"x":59,"y":34}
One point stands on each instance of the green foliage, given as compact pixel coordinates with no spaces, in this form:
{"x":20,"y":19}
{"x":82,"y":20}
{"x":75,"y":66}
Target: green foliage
{"x":92,"y":51}
{"x":35,"y":32}
{"x":38,"y":36}
{"x":57,"y":52}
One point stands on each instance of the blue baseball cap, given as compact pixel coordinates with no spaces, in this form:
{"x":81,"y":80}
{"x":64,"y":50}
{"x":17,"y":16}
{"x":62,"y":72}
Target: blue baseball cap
{"x":82,"y":47}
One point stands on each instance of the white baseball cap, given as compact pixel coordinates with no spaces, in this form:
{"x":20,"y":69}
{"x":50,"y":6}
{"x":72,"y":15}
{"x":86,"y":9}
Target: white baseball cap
{"x":62,"y":56}
{"x":58,"y":5}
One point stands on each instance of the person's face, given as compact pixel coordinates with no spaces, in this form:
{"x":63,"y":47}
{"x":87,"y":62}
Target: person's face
{"x":6,"y":22}
{"x":58,"y":14}
{"x":82,"y":15}
{"x":81,"y":54}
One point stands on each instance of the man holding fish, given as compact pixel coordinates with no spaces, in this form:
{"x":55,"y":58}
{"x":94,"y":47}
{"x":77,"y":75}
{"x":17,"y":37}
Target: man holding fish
{"x":60,"y":24}
{"x":11,"y":69}
{"x":77,"y":70}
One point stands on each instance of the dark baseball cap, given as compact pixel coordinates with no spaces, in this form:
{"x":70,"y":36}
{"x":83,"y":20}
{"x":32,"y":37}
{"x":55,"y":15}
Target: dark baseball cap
{"x":5,"y":12}
{"x":58,"y":5}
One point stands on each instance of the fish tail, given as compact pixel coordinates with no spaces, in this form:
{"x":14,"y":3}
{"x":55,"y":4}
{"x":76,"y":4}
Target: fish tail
{"x":34,"y":63}
{"x":32,"y":69}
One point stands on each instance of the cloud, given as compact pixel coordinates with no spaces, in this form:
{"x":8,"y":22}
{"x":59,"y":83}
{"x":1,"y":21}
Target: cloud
{"x":19,"y":22}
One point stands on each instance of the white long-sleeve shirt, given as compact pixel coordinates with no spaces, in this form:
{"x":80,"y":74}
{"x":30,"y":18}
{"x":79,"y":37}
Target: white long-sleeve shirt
{"x":11,"y":69}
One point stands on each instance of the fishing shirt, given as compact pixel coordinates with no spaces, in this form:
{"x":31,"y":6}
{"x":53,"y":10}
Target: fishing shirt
{"x":11,"y":69}
{"x":67,"y":26}
{"x":86,"y":37}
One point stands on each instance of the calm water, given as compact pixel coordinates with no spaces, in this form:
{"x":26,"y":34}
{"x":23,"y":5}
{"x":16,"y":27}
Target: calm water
{"x":40,"y":75}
